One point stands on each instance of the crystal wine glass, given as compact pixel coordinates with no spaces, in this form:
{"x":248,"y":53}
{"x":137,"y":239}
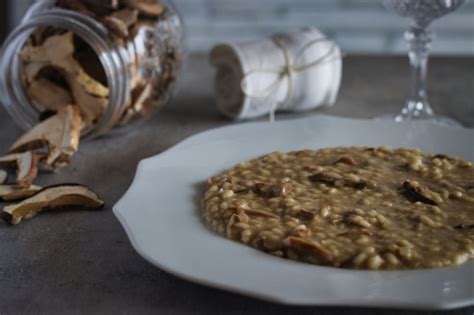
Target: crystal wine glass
{"x":419,"y":37}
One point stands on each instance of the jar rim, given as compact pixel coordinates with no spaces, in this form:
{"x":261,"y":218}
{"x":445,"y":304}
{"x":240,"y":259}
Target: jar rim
{"x":112,"y":58}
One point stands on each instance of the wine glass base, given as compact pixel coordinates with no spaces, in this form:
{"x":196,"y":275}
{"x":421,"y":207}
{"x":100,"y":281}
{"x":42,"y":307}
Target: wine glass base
{"x":442,"y":120}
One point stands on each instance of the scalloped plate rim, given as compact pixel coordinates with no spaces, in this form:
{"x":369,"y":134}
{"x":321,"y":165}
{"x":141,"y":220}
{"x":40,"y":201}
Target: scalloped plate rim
{"x":119,"y":212}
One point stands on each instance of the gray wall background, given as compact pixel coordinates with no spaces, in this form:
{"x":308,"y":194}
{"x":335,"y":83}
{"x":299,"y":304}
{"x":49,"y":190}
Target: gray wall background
{"x":359,"y":26}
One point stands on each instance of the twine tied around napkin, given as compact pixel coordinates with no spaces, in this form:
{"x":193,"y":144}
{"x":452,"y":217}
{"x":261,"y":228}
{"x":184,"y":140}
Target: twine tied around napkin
{"x":289,"y":71}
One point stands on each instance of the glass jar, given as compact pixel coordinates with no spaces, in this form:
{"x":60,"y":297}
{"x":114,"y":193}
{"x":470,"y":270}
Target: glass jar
{"x":151,"y":55}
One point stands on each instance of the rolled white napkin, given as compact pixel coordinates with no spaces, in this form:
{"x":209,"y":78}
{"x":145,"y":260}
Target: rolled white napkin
{"x":288,"y":71}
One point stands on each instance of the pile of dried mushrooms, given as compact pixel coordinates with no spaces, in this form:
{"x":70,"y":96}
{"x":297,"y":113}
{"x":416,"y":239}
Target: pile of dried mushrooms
{"x":49,"y":145}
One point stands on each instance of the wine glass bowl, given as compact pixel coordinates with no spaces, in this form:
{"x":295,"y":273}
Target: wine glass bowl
{"x":422,"y":11}
{"x":419,"y":38}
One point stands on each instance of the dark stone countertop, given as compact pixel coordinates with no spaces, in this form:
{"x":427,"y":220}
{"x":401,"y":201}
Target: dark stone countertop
{"x":82,"y":262}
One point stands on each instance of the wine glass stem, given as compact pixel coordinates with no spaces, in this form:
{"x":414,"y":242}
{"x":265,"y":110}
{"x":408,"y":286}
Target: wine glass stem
{"x":417,"y":105}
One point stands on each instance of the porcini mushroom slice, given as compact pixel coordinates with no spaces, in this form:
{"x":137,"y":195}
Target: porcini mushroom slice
{"x":418,"y":192}
{"x":151,"y":8}
{"x":260,"y":213}
{"x":54,"y":48}
{"x":53,"y":197}
{"x":272,"y":190}
{"x":110,"y":4}
{"x":127,"y":16}
{"x":312,"y":248}
{"x":306,"y":215}
{"x":267,"y":190}
{"x":26,"y":164}
{"x":14,"y":192}
{"x":464,"y":226}
{"x":48,"y":95}
{"x":92,"y":107}
{"x":331,"y":179}
{"x":89,"y":94}
{"x":116,"y":26}
{"x":346,"y":159}
{"x":3,"y":176}
{"x":75,"y":72}
{"x":234,"y":219}
{"x":60,"y":133}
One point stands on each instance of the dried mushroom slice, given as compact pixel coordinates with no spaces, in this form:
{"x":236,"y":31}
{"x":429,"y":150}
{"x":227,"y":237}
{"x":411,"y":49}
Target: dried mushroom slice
{"x":331,"y":179}
{"x":358,"y":184}
{"x":89,"y":94}
{"x":54,"y":48}
{"x":92,"y":107}
{"x":60,"y":133}
{"x":53,"y":197}
{"x":102,"y":7}
{"x":260,"y":213}
{"x":48,"y":95}
{"x":300,"y":231}
{"x":239,"y":217}
{"x":26,"y":164}
{"x":464,"y":226}
{"x":14,"y":192}
{"x":3,"y":176}
{"x":272,"y":190}
{"x":266,"y":190}
{"x":75,"y":72}
{"x":116,"y":26}
{"x":309,"y":248}
{"x":346,"y":159}
{"x":306,"y":215}
{"x":109,"y":4}
{"x":151,"y":8}
{"x":418,"y":192}
{"x":127,"y":16}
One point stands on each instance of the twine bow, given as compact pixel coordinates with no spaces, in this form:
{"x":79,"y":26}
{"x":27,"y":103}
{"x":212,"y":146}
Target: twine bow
{"x":286,"y":73}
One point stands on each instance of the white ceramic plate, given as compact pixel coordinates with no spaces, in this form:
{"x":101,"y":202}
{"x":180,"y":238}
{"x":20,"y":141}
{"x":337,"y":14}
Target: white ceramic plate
{"x":160,"y":213}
